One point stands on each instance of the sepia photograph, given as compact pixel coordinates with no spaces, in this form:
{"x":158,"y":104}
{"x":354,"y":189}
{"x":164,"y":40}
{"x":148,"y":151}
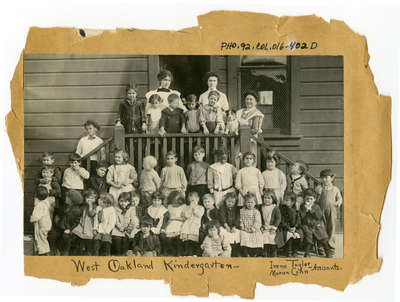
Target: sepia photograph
{"x":183,"y":155}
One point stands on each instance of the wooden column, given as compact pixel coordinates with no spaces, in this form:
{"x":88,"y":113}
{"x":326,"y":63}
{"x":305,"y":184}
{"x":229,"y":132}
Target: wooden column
{"x":119,"y":137}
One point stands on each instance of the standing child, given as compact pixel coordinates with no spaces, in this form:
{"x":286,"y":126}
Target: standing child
{"x":65,"y":223}
{"x":172,"y":118}
{"x":84,"y":230}
{"x":215,"y":244}
{"x":172,"y":227}
{"x":249,"y":179}
{"x":172,"y":177}
{"x":132,"y":112}
{"x":197,"y":173}
{"x":48,"y":159}
{"x":154,"y":114}
{"x":90,"y":142}
{"x":251,"y":239}
{"x":149,"y":181}
{"x":41,"y":218}
{"x":145,"y":243}
{"x":210,"y":213}
{"x":212,"y":78}
{"x":221,"y":176}
{"x":156,"y":212}
{"x":51,"y":184}
{"x":121,"y":175}
{"x":271,"y":218}
{"x":229,"y":218}
{"x":296,"y":181}
{"x":211,"y":118}
{"x":104,"y":222}
{"x":126,"y":221}
{"x":98,"y":182}
{"x":274,"y":178}
{"x":329,"y":200}
{"x":192,"y":115}
{"x":290,"y":225}
{"x":311,"y":224}
{"x":190,"y":228}
{"x":74,"y":176}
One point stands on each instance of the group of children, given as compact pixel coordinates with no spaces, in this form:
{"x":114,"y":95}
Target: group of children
{"x":209,"y":210}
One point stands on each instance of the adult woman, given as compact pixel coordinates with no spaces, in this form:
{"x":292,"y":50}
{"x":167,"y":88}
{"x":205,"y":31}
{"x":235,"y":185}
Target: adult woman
{"x":253,"y":117}
{"x":165,"y":78}
{"x":212,"y":80}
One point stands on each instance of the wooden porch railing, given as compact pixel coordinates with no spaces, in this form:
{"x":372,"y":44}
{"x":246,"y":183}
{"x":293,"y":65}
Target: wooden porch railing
{"x":106,"y":144}
{"x":141,"y":145}
{"x":245,"y":137}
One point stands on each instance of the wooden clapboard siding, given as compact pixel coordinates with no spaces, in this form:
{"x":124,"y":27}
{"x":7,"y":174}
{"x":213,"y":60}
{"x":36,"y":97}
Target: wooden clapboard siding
{"x":61,"y":93}
{"x":320,"y":94}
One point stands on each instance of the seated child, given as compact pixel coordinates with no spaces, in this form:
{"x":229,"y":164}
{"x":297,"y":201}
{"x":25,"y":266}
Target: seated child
{"x":126,"y":221}
{"x":211,"y":118}
{"x":149,"y":181}
{"x":221,"y":176}
{"x":192,"y":115}
{"x":329,"y":200}
{"x":90,"y":142}
{"x":197,"y":173}
{"x":98,"y":182}
{"x":48,"y":159}
{"x":210,"y":213}
{"x":145,"y":243}
{"x":156,"y":212}
{"x":154,"y":114}
{"x":84,"y":230}
{"x":104,"y":222}
{"x":41,"y":218}
{"x":51,"y":184}
{"x":290,"y":224}
{"x":296,"y":181}
{"x":74,"y":176}
{"x":172,"y":117}
{"x":271,"y":218}
{"x":311,"y":224}
{"x":121,"y":175}
{"x":215,"y":244}
{"x":251,"y":239}
{"x":172,"y":177}
{"x":173,"y":220}
{"x":64,"y":224}
{"x":229,"y":218}
{"x":190,"y":228}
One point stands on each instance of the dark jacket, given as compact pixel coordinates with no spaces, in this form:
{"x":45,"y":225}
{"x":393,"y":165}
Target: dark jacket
{"x":70,"y":217}
{"x":229,"y":216}
{"x":213,"y":216}
{"x":290,"y":218}
{"x":99,"y":184}
{"x":153,"y":243}
{"x":312,"y":220}
{"x":172,"y":121}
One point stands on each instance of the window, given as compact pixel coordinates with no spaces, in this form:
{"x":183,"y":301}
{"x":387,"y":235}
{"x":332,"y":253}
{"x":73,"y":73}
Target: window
{"x":270,"y":77}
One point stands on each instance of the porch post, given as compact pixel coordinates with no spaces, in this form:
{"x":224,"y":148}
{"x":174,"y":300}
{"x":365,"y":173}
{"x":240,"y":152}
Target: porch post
{"x":119,"y":137}
{"x":244,"y":136}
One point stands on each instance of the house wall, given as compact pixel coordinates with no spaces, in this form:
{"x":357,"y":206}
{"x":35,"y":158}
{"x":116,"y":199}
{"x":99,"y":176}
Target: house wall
{"x":62,"y":92}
